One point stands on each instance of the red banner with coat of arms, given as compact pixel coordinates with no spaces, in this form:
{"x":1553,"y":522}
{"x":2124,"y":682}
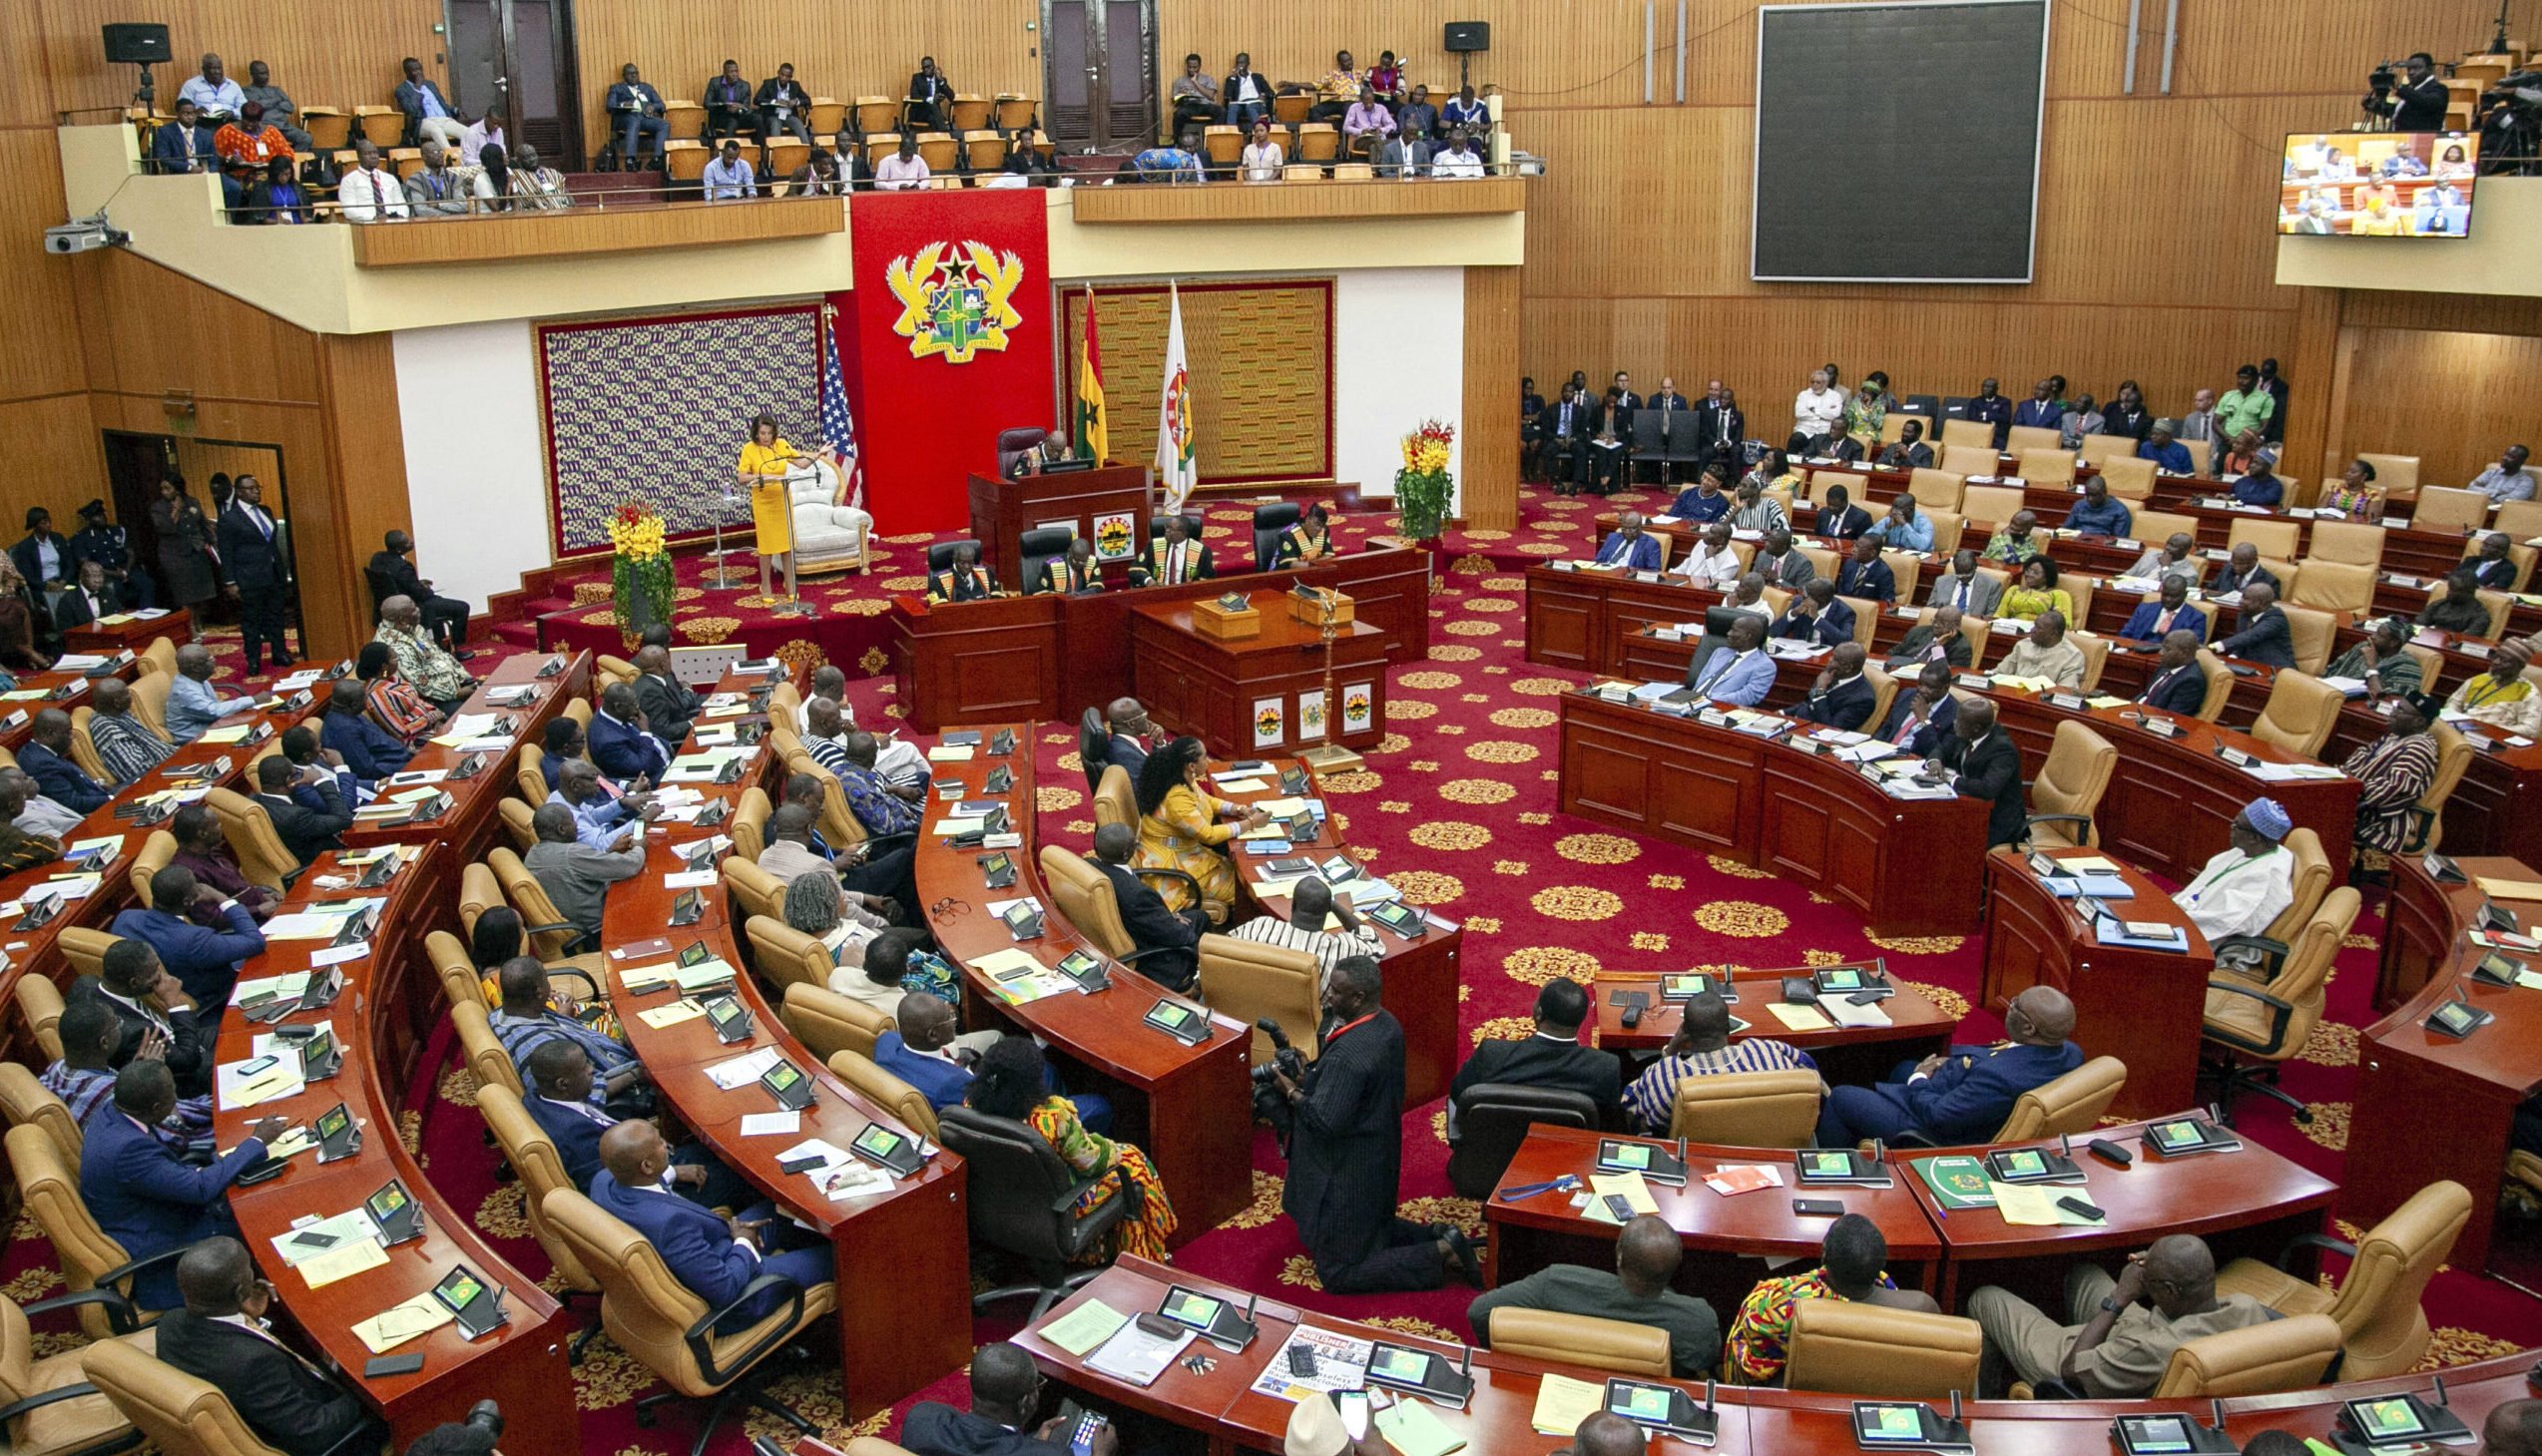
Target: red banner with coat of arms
{"x":947,"y":334}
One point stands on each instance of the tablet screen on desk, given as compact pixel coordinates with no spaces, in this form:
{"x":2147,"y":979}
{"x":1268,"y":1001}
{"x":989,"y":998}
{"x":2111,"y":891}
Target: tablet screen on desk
{"x":1689,"y":986}
{"x":332,"y":1122}
{"x":385,"y":1204}
{"x":2154,"y":1435}
{"x":458,"y":1289}
{"x":1827,"y":1164}
{"x":1396,"y":1363}
{"x":2393,"y":1419}
{"x":1847,"y":978}
{"x":1889,"y":1423}
{"x":1648,"y":1404}
{"x":2022,"y":1161}
{"x":1174,"y":1017}
{"x":1623,"y":1155}
{"x":1182,"y":1307}
{"x":694,"y":954}
{"x":2178,"y":1135}
{"x":1077,"y":963}
{"x":879,"y":1141}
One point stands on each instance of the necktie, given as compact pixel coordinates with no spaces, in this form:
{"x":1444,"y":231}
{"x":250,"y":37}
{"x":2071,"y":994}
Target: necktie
{"x":2163,"y":623}
{"x":1906,"y":730}
{"x":1712,"y":674}
{"x":1963,"y":592}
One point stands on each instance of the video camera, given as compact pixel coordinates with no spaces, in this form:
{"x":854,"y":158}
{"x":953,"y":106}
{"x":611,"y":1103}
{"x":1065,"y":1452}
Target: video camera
{"x":1269,"y":1105}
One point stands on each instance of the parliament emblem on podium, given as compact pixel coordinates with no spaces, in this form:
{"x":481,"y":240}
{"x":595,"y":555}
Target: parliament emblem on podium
{"x":1116,"y":537}
{"x":954,"y":299}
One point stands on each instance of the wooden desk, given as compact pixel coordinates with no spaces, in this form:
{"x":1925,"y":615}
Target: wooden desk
{"x":2144,"y":1007}
{"x":2247,"y":1203}
{"x":2429,"y":1106}
{"x":522,"y":1364}
{"x":1082,"y":500}
{"x":1907,"y":867}
{"x":998,"y":660}
{"x":132,"y":634}
{"x":1225,"y":692}
{"x":1532,"y":1233}
{"x":1419,"y":972}
{"x":902,"y":1257}
{"x":1185,"y":1106}
{"x":62,"y":689}
{"x":1864,"y":1054}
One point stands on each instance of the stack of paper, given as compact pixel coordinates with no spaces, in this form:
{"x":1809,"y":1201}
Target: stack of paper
{"x":1083,"y":1328}
{"x":745,"y":1070}
{"x":1843,"y":1012}
{"x":1562,"y":1403}
{"x":1744,"y":1178}
{"x":400,"y":1323}
{"x":1630,"y":1186}
{"x":270,"y":1084}
{"x":2034,"y":1206}
{"x":1136,"y":1357}
{"x":1412,"y":1429}
{"x":1798,"y":1018}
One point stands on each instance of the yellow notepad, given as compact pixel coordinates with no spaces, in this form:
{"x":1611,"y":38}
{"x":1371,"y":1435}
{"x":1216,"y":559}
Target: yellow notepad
{"x":1083,"y":1328}
{"x":1004,"y":962}
{"x":398,"y":1323}
{"x":1798,"y":1018}
{"x":236,"y":732}
{"x":1411,"y":1428}
{"x":1562,"y":1403}
{"x":1635,"y":1192}
{"x":2510,"y":889}
{"x":660,"y":1017}
{"x":341,"y":1263}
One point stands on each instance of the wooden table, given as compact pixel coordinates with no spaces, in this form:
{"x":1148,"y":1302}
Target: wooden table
{"x":1187,"y":1106}
{"x":1907,"y":867}
{"x":1002,"y":510}
{"x":1862,"y":1055}
{"x":132,"y":634}
{"x":2144,"y":1007}
{"x":1263,"y":694}
{"x":999,"y":661}
{"x":62,"y":689}
{"x":2429,"y":1106}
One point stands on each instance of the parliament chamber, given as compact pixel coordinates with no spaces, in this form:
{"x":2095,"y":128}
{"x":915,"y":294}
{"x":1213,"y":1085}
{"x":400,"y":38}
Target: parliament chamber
{"x":1139,"y":876}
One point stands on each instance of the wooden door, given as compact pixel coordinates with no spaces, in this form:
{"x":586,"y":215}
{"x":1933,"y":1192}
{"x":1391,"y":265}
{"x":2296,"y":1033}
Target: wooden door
{"x":1099,"y":74}
{"x":517,"y":56}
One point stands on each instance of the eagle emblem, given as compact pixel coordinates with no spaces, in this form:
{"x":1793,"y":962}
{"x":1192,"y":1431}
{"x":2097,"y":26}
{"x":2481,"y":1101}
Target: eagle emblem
{"x":954,"y":298}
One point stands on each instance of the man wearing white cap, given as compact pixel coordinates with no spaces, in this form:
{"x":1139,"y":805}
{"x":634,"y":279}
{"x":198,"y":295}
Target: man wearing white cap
{"x":2246,"y":886}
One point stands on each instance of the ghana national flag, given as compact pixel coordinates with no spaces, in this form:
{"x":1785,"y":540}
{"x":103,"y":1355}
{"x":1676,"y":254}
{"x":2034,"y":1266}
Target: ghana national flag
{"x":1093,"y":436}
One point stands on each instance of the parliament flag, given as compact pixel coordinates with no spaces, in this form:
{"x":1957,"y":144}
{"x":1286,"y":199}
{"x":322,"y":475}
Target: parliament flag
{"x":838,"y":424}
{"x":1178,"y":469}
{"x":1093,"y":436}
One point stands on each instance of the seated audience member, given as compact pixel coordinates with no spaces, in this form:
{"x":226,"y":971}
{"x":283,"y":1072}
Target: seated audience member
{"x":2494,"y":568}
{"x":1703,"y":502}
{"x":1128,"y":738}
{"x":2016,"y":542}
{"x":46,"y":757}
{"x":577,"y":875}
{"x":904,"y":170}
{"x":91,"y":596}
{"x":531,"y":1014}
{"x":1814,"y":615}
{"x":1174,"y":557}
{"x":1904,"y":527}
{"x":1182,"y":825}
{"x":1840,"y":698}
{"x":1920,"y":722}
{"x":1939,"y":640}
{"x":183,"y":145}
{"x":220,"y":1338}
{"x":1628,"y":547}
{"x":1980,"y":762}
{"x":2460,"y":609}
{"x":1012,"y":1081}
{"x":2380,"y":661}
{"x":247,"y":146}
{"x":1777,"y":560}
{"x":2125,"y":1329}
{"x":2259,"y":484}
{"x":1457,"y":158}
{"x":1195,"y":96}
{"x":782,"y":105}
{"x":1908,"y":451}
{"x":2035,"y":590}
{"x":1310,"y":903}
{"x":2084,"y":418}
{"x":894,"y":966}
{"x":2169,"y":455}
{"x":2045,"y":653}
{"x":1647,"y":1253}
{"x":206,"y":962}
{"x":1739,"y":672}
{"x":1864,"y":575}
{"x":2394,"y":771}
{"x":306,"y":833}
{"x":38,"y":812}
{"x":2242,"y":568}
{"x":1552,"y":1058}
{"x":1405,"y":155}
{"x":2508,"y":480}
{"x":621,"y":742}
{"x":345,"y":729}
{"x":2098,"y":513}
{"x":152,"y":1014}
{"x":1964,"y":1094}
{"x":1835,"y":445}
{"x":1851,"y":1267}
{"x":275,"y":197}
{"x":394,"y":703}
{"x":392,"y":567}
{"x":2261,"y":633}
{"x":370,"y":192}
{"x":1166,"y":939}
{"x":537,"y":188}
{"x":814,"y":905}
{"x":568,"y":1104}
{"x":1966,"y":588}
{"x":790,"y":855}
{"x":421,"y":662}
{"x":2177,"y":685}
{"x":1838,"y":518}
{"x":1263,"y":158}
{"x":1310,"y":540}
{"x":1418,"y":114}
{"x":437,"y":190}
{"x":1366,"y":124}
{"x":91,"y":1033}
{"x":714,"y":1257}
{"x":670,"y":706}
{"x":143,"y":1195}
{"x":1006,"y":1400}
{"x":2151,"y":622}
{"x":125,"y":745}
{"x":22,"y":848}
{"x":2503,"y":698}
{"x":1711,"y":562}
{"x":2246,"y":886}
{"x":1466,"y":109}
{"x":2355,"y":497}
{"x":730,"y":178}
{"x":886,"y":813}
{"x":2176,"y":557}
{"x":193,"y":703}
{"x":1702,"y":1047}
{"x":922,"y":1050}
{"x":964,"y":580}
{"x":1073,"y":573}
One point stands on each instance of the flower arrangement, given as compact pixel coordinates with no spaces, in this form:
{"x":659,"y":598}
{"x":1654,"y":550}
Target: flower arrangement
{"x":641,"y":580}
{"x":1423,"y":487}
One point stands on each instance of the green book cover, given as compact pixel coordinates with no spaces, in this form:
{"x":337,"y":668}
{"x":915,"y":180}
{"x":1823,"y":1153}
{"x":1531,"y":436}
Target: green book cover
{"x":1411,"y":1428}
{"x":1957,"y":1183}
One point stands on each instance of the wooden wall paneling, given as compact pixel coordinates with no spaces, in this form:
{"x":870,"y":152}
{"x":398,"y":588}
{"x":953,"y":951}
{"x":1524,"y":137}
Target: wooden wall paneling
{"x":39,"y":339}
{"x":332,"y":55}
{"x":147,"y":329}
{"x":1488,"y":452}
{"x":2437,"y":397}
{"x":2458,"y":313}
{"x":53,"y":458}
{"x":1261,"y":369}
{"x":339,"y":527}
{"x":2311,"y":370}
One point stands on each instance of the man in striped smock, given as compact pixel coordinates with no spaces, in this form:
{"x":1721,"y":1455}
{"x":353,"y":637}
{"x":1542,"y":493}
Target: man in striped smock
{"x":1702,"y":1048}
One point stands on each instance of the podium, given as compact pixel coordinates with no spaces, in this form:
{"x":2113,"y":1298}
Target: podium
{"x":1082,"y":500}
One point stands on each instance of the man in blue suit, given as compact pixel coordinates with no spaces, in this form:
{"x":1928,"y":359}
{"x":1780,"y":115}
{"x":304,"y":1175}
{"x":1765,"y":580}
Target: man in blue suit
{"x":2098,"y":513}
{"x":619,"y":743}
{"x":2039,"y":411}
{"x":715,"y":1256}
{"x":1864,"y":574}
{"x":1919,"y":720}
{"x":560,"y":1099}
{"x":2177,"y":685}
{"x":1841,"y":697}
{"x":1814,"y":615}
{"x":205,"y":962}
{"x":1739,"y":672}
{"x":142,"y":1195}
{"x":47,"y":759}
{"x":1963,"y":1095}
{"x":1626,"y":545}
{"x":921,"y":1051}
{"x":184,"y":145}
{"x":372,"y":753}
{"x":2154,"y":621}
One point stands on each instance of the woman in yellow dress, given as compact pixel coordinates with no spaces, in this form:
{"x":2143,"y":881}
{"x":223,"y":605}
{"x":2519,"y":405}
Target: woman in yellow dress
{"x":1183,"y":827}
{"x":764,"y":463}
{"x":2037,"y":592}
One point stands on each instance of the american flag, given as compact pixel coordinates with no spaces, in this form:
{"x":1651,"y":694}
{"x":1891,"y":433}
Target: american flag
{"x":838,"y":427}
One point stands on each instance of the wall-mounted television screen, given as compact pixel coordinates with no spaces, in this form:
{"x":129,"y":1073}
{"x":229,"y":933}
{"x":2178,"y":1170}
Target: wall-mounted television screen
{"x":2378,"y":183}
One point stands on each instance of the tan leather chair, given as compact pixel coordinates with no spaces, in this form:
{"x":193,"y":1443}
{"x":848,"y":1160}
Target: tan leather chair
{"x":549,"y":931}
{"x":40,"y":1002}
{"x":84,"y":747}
{"x":533,"y":1155}
{"x":2300,"y":711}
{"x":876,"y":114}
{"x":1883,"y":692}
{"x":156,"y":853}
{"x":2094,"y":649}
{"x":2521,"y":556}
{"x":828,"y":1023}
{"x":150,"y":699}
{"x":2201,"y":455}
{"x":479,"y":891}
{"x":2346,"y":541}
{"x":1906,"y":567}
{"x":2396,"y":474}
{"x":2220,"y":681}
{"x":530,"y":774}
{"x":2311,"y":632}
{"x":1936,"y":490}
{"x":181,"y":1415}
{"x":2068,"y":789}
{"x":1115,"y":799}
{"x":2051,"y":466}
{"x":460,"y":984}
{"x":580,"y":710}
{"x":2334,"y":585}
{"x":1823,"y":560}
{"x":1252,"y":982}
{"x":2521,"y":520}
{"x":1580,"y":1339}
{"x":518,"y":821}
{"x":82,"y":1424}
{"x":1976,"y":432}
{"x":485,"y":1055}
{"x":785,"y":956}
{"x":261,"y":858}
{"x":88,"y":1259}
{"x":160,"y":658}
{"x":1084,"y":899}
{"x":754,"y":889}
{"x":2070,"y":1105}
{"x":899,"y":1098}
{"x":2258,"y":1359}
{"x":1948,"y":526}
{"x":1747,"y":1109}
{"x":29,"y":1102}
{"x":2099,"y":450}
{"x":749,"y":824}
{"x":650,"y":1315}
{"x":2021,"y":438}
{"x":2440,"y":508}
{"x":2129,"y":479}
{"x":2376,"y":1304}
{"x":2253,"y":1028}
{"x":1972,"y":459}
{"x":2427,"y":816}
{"x":613,"y":671}
{"x":2273,"y":538}
{"x":1993,"y":505}
{"x":839,"y":823}
{"x":2156,"y":527}
{"x":2308,"y":883}
{"x":86,"y":949}
{"x":1884,"y":1353}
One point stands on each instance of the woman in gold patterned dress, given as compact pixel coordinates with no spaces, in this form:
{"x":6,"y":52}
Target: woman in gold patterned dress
{"x":1014,"y":1082}
{"x":1183,"y":827}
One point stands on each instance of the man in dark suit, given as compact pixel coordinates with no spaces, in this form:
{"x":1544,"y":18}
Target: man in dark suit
{"x":2040,"y":411}
{"x":2154,"y":621}
{"x":371,"y":752}
{"x":2492,"y":569}
{"x":156,"y":1019}
{"x":428,"y":113}
{"x":1864,"y":576}
{"x":1552,"y":1058}
{"x":1814,"y":615}
{"x":728,"y":105}
{"x":253,"y":560}
{"x":2417,"y":103}
{"x":393,"y":574}
{"x":1937,"y":640}
{"x":1962,"y":1094}
{"x":1127,"y":742}
{"x":1908,"y":452}
{"x":1565,"y":427}
{"x":1839,"y":518}
{"x":46,"y":756}
{"x":1983,"y":764}
{"x":1965,"y":587}
{"x":558,"y":1076}
{"x":670,"y":706}
{"x":2242,"y":569}
{"x":1841,"y":697}
{"x":220,"y":1338}
{"x":1781,"y":564}
{"x":1173,"y":557}
{"x":2177,"y":685}
{"x":2263,"y":635}
{"x":205,"y":962}
{"x":1170,"y":939}
{"x":306,"y":833}
{"x":1721,"y":426}
{"x":1918,"y":722}
{"x":184,"y":145}
{"x":716,"y":1258}
{"x":90,"y":598}
{"x":1991,"y":407}
{"x":621,"y":740}
{"x":1006,"y":1395}
{"x":142,"y":1196}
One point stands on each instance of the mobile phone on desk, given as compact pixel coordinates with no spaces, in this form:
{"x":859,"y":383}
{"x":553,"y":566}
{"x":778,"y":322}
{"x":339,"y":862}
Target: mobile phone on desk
{"x":1354,"y":1405}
